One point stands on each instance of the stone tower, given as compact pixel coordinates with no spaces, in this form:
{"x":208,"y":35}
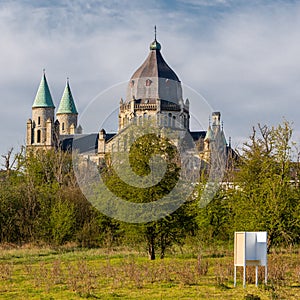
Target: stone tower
{"x":154,"y":91}
{"x":67,"y":113}
{"x":214,"y":137}
{"x":41,"y":127}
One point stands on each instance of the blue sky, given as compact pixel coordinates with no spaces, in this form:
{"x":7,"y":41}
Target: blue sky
{"x":241,"y":56}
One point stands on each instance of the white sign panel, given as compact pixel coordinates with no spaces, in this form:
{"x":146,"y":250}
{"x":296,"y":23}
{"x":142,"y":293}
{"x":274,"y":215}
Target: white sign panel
{"x":250,"y":249}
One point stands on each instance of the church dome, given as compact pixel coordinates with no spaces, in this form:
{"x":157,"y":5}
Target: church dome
{"x":155,"y":65}
{"x":154,"y":79}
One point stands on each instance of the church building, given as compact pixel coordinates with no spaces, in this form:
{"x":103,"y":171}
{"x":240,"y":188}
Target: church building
{"x":154,"y":92}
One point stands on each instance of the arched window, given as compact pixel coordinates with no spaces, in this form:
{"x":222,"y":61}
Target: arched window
{"x":148,"y":82}
{"x":63,"y":126}
{"x":39,"y":120}
{"x":169,"y":119}
{"x":174,"y":121}
{"x":38,"y":138}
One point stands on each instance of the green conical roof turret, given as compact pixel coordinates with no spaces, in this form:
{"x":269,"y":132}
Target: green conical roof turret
{"x":43,"y":96}
{"x":67,"y":104}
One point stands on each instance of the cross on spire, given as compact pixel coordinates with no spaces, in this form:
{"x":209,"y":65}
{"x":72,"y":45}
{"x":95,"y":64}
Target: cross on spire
{"x":155,"y":32}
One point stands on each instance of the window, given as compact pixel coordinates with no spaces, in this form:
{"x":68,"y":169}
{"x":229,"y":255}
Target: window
{"x":169,"y":119}
{"x":174,"y":121}
{"x":38,"y":139}
{"x":148,"y":82}
{"x":63,"y":126}
{"x":39,"y":120}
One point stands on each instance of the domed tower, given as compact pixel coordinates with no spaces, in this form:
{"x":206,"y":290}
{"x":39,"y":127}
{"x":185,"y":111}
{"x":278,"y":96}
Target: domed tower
{"x":67,"y":113}
{"x":154,"y":90}
{"x":40,"y":129}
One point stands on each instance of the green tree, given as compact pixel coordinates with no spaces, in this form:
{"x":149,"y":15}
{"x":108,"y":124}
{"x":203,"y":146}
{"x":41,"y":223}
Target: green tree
{"x":41,"y":202}
{"x":161,"y":234}
{"x":264,"y":197}
{"x":62,"y":221}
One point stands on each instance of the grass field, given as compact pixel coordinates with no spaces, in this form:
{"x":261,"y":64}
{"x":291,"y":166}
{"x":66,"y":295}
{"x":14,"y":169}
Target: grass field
{"x":70,"y":273}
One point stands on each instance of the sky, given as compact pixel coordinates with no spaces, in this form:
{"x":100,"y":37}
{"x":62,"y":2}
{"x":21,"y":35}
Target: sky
{"x":242,"y":57}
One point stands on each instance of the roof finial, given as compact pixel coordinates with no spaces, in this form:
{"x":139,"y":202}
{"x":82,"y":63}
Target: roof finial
{"x":68,"y":80}
{"x":44,"y":71}
{"x":155,"y":45}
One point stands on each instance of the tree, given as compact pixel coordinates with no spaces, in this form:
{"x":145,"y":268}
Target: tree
{"x":161,"y":234}
{"x":41,"y":202}
{"x":264,"y":198}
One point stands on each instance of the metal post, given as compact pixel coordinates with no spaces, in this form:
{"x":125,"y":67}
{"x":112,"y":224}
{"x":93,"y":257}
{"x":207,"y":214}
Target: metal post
{"x":256,"y":275}
{"x":244,"y":276}
{"x":234,"y":284}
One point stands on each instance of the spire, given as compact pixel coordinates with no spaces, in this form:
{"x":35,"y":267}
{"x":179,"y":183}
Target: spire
{"x":67,"y":104}
{"x":43,"y":96}
{"x":155,"y":45}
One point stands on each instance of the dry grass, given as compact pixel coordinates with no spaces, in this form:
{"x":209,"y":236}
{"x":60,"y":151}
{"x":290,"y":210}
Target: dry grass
{"x":60,"y":274}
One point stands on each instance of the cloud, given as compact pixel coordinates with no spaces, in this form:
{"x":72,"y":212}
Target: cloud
{"x":201,"y":3}
{"x":243,"y":58}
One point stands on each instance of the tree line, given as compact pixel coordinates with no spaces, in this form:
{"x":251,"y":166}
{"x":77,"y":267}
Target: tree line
{"x":41,"y":203}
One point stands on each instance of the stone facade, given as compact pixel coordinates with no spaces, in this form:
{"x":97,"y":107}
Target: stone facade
{"x":67,"y":122}
{"x":40,"y":129}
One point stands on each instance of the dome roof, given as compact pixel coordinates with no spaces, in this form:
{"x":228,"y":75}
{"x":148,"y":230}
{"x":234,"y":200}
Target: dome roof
{"x":154,"y":79}
{"x":155,"y":65}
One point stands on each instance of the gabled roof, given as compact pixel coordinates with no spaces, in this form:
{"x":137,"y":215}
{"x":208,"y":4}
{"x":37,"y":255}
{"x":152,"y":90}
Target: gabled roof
{"x":83,"y":143}
{"x":155,"y":65}
{"x":43,"y":96}
{"x":197,"y":135}
{"x":67,"y":104}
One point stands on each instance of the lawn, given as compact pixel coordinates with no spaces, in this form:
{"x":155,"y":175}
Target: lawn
{"x":71,"y":273}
